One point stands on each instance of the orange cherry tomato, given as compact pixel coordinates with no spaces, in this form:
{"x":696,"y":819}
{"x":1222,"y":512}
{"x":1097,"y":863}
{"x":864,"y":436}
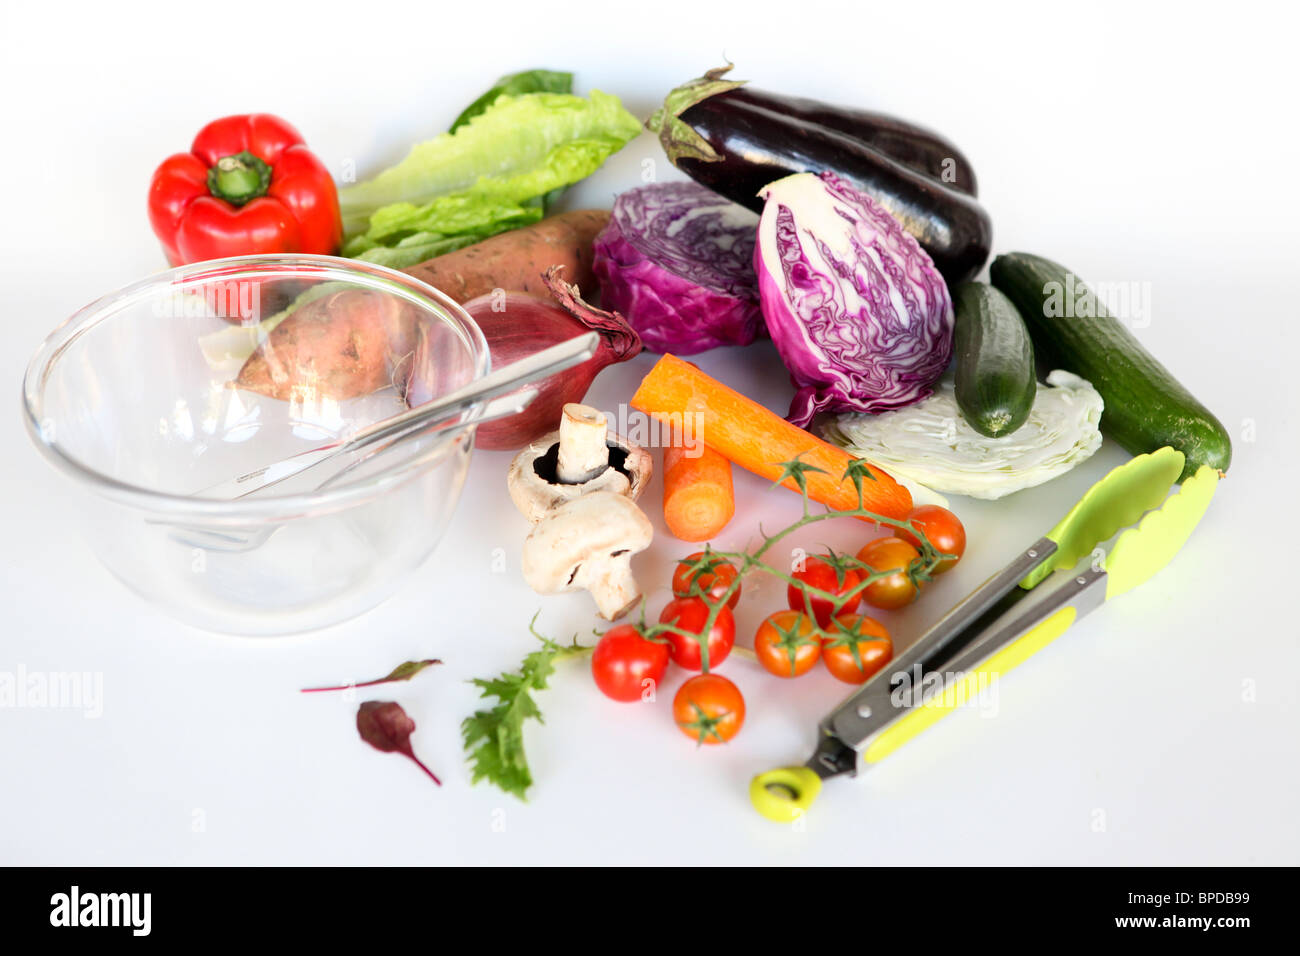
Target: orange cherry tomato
{"x":713,"y":575}
{"x":787,"y":644}
{"x":896,"y":589}
{"x":709,"y":709}
{"x":944,"y":531}
{"x":856,"y":648}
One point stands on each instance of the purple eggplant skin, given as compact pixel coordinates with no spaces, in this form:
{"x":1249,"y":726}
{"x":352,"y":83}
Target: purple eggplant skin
{"x":914,"y":146}
{"x":757,"y":146}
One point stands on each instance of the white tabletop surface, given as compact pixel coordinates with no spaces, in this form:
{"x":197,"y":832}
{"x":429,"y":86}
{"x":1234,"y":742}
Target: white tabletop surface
{"x":1136,"y":146}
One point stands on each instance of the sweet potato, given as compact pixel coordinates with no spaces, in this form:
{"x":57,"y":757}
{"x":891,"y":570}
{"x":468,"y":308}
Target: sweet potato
{"x":515,"y":260}
{"x":355,"y":342}
{"x":346,"y":344}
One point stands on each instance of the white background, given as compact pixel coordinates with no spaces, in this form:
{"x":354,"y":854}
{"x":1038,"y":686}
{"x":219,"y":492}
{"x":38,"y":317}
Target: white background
{"x":1129,"y":143}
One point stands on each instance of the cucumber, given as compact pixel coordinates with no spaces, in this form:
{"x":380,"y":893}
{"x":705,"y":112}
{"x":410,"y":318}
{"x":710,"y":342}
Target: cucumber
{"x":995,"y":361}
{"x":1146,"y":407}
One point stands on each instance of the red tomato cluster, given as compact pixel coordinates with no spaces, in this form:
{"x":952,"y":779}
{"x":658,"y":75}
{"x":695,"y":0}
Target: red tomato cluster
{"x":628,"y":664}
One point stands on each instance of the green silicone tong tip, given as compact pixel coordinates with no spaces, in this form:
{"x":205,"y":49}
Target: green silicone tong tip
{"x":1142,"y":551}
{"x":870,"y":724}
{"x":1118,"y":500}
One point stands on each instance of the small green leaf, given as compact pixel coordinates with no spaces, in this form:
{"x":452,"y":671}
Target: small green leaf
{"x":850,"y":638}
{"x":494,"y":738}
{"x":855,"y":471}
{"x":792,"y":639}
{"x":708,"y":562}
{"x":797,"y":471}
{"x":408,"y":669}
{"x":841,"y":563}
{"x":703,"y":725}
{"x":404,"y":671}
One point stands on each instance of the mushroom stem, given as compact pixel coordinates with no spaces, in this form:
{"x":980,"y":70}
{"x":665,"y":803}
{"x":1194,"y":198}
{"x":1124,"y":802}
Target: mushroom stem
{"x":587,"y":544}
{"x":584,"y":453}
{"x":614,"y":589}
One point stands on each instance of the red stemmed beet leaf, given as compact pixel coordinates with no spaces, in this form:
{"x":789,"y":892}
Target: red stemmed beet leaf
{"x":404,"y":671}
{"x":386,"y":727}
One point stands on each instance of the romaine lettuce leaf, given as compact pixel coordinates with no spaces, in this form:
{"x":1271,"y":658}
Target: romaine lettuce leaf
{"x":520,"y":148}
{"x":516,"y":84}
{"x":457,"y":222}
{"x":417,"y":248}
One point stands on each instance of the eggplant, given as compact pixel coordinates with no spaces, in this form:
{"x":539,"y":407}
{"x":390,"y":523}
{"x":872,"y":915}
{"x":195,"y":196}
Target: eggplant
{"x":914,"y":146}
{"x":736,"y":147}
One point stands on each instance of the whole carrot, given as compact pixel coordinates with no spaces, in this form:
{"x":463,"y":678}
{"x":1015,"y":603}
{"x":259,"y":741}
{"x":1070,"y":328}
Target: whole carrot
{"x":698,"y":496}
{"x":751,"y":436}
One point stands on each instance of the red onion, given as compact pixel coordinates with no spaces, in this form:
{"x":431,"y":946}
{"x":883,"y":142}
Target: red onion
{"x":517,"y":324}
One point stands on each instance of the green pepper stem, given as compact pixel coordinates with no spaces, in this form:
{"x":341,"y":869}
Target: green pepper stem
{"x":239,"y":178}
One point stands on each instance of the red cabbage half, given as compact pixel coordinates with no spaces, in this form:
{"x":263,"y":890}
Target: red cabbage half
{"x":856,"y":308}
{"x":677,"y":260}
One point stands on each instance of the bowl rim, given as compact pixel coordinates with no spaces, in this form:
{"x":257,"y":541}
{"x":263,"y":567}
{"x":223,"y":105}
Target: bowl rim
{"x":269,"y":265}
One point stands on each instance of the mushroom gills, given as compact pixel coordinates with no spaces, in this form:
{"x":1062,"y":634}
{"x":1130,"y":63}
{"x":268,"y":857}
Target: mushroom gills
{"x":582,"y":446}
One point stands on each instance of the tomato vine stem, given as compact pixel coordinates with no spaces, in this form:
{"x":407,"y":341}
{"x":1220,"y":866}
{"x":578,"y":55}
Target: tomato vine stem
{"x":918,"y":571}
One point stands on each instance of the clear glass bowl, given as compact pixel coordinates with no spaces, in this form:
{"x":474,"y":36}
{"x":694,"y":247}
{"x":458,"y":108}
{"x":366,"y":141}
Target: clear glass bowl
{"x":134,"y":398}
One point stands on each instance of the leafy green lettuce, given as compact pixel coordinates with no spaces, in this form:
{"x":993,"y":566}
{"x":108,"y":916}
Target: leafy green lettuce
{"x":494,"y":738}
{"x":516,"y":84}
{"x":453,"y":223}
{"x":488,"y":176}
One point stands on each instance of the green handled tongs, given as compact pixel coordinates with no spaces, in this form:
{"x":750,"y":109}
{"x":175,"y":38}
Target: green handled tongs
{"x":998,"y":626}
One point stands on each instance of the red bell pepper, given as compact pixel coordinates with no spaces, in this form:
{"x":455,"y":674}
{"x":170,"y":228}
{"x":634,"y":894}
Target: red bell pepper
{"x":248,"y":185}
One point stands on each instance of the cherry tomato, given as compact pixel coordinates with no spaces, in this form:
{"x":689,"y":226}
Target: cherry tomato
{"x":820,"y":573}
{"x":624,"y":661}
{"x":944,"y":531}
{"x":713,"y":577}
{"x":897,"y":589}
{"x":856,"y":648}
{"x":709,"y":709}
{"x":787,"y":644}
{"x":690,"y":615}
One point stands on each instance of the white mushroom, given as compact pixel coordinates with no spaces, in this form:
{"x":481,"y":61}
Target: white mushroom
{"x":581,"y":458}
{"x":586,"y":544}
